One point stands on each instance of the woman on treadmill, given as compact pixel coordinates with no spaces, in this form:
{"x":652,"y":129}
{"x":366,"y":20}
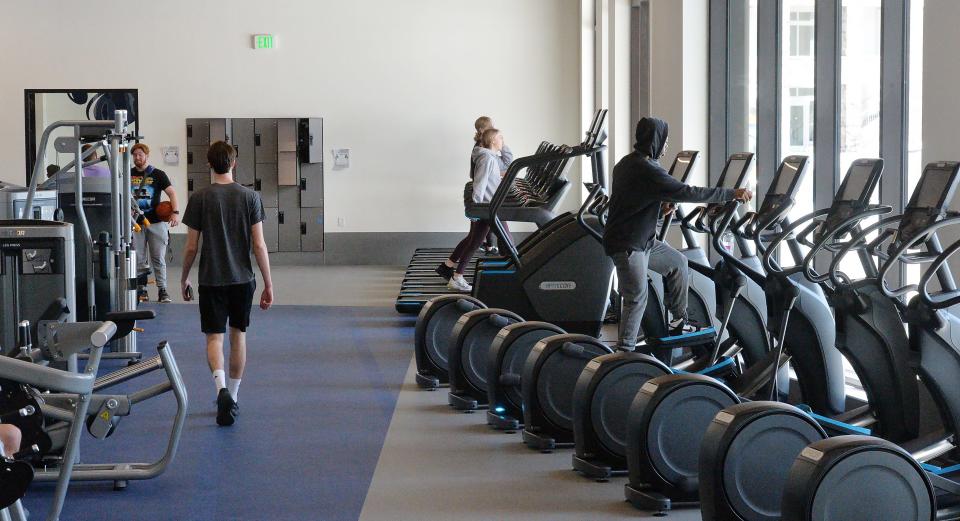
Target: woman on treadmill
{"x":483,"y":123}
{"x":487,"y":160}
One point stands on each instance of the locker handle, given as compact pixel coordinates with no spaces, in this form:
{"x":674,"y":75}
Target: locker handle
{"x":256,"y":185}
{"x":303,"y":228}
{"x":303,"y":183}
{"x":256,"y":139}
{"x":280,"y":217}
{"x":189,"y":158}
{"x":189,"y":131}
{"x":189,"y":185}
{"x":311,"y":139}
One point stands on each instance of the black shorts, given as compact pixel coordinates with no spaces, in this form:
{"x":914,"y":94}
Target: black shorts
{"x":219,"y":303}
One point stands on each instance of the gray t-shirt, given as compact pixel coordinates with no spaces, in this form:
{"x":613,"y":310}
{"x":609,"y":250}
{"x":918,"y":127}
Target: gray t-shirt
{"x":224,"y":215}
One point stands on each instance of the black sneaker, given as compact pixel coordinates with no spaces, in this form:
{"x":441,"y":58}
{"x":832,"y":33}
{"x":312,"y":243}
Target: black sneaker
{"x":163,"y":297}
{"x":142,"y":294}
{"x":227,"y":409}
{"x":445,"y":272}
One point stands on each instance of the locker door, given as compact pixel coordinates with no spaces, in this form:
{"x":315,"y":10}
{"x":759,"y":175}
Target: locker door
{"x":218,"y":130}
{"x":271,"y":229}
{"x":311,"y":229}
{"x":287,"y":135}
{"x":311,"y":185}
{"x":198,"y":132}
{"x":197,"y":181}
{"x":265,"y":133}
{"x":289,"y":197}
{"x":287,"y":169}
{"x":243,"y":141}
{"x":197,"y":159}
{"x":266,"y":183}
{"x":311,"y":140}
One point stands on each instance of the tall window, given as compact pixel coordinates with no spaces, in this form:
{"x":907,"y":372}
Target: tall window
{"x":915,"y":113}
{"x":801,"y":29}
{"x":859,"y":93}
{"x":742,"y":79}
{"x":797,"y":93}
{"x":859,"y":81}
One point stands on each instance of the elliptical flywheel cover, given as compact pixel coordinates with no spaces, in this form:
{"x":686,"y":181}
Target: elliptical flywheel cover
{"x":857,"y":478}
{"x":516,"y":356}
{"x":612,"y":398}
{"x":745,"y":458}
{"x":671,"y":415}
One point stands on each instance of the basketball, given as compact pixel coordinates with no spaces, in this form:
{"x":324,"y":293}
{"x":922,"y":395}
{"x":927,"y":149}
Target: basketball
{"x":164,"y":211}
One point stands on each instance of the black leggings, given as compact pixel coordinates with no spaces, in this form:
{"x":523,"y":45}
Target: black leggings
{"x":468,"y":246}
{"x":491,"y":239}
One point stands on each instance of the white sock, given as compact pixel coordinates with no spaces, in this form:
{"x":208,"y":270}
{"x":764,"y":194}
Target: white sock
{"x":234,"y":387}
{"x":219,"y":379}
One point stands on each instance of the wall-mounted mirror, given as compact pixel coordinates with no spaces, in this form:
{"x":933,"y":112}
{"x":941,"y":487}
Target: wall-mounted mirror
{"x":45,"y":106}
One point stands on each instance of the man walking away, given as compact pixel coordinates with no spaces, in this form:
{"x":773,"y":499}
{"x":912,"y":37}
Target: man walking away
{"x":229,"y":216}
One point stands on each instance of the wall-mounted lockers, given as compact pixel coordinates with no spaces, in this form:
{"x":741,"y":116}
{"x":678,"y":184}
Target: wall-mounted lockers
{"x":280,"y":158}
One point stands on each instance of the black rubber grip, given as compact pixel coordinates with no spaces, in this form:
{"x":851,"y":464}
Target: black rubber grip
{"x":498,"y":321}
{"x":465,"y":305}
{"x":571,"y":349}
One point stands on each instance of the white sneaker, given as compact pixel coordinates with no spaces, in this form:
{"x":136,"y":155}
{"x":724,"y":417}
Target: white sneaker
{"x":458,"y":283}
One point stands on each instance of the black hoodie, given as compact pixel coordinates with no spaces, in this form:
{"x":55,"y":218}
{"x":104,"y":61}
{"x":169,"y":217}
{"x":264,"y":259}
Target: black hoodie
{"x":640,"y":184}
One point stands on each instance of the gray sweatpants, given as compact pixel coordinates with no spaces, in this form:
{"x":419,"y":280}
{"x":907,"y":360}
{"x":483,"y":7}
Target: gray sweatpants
{"x":632,"y":272}
{"x":156,"y":238}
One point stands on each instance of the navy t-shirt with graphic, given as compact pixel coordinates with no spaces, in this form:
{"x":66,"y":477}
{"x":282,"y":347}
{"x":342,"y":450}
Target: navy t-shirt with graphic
{"x":147,"y":186}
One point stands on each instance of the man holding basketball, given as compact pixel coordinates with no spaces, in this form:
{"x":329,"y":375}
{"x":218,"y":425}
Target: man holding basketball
{"x":147,"y":185}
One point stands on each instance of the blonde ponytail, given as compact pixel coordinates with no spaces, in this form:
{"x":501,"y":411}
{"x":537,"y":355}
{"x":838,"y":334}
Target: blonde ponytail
{"x":482,"y":123}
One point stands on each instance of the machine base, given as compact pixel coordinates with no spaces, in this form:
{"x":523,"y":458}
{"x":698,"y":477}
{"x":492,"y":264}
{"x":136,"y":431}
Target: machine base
{"x":462,"y":402}
{"x":542,"y":443}
{"x":428,"y":382}
{"x":595,"y":469}
{"x":644,"y":499}
{"x":503,"y":423}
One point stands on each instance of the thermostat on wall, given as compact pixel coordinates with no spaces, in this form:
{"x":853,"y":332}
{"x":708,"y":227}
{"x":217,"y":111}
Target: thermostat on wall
{"x":341,"y":158}
{"x":171,"y":155}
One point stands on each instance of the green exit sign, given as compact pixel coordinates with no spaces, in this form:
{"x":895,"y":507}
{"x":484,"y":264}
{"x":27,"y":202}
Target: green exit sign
{"x":264,"y":41}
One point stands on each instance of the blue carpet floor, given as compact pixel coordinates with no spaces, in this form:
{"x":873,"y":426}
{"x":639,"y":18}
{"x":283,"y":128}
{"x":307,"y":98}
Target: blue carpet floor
{"x":316,"y":401}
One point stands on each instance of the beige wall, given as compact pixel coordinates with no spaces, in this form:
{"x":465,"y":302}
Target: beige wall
{"x":399,"y":83}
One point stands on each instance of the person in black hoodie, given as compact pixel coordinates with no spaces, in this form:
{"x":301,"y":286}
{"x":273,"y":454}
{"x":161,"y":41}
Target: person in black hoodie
{"x":641,"y":190}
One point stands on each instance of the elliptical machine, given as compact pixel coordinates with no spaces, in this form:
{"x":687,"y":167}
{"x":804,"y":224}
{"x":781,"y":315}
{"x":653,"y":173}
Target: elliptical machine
{"x":512,"y":346}
{"x":670,"y":414}
{"x":556,"y":374}
{"x":772,"y":435}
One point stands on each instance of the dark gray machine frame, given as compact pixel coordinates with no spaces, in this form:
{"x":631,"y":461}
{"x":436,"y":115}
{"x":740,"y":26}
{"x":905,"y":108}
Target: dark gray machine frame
{"x":116,"y":145}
